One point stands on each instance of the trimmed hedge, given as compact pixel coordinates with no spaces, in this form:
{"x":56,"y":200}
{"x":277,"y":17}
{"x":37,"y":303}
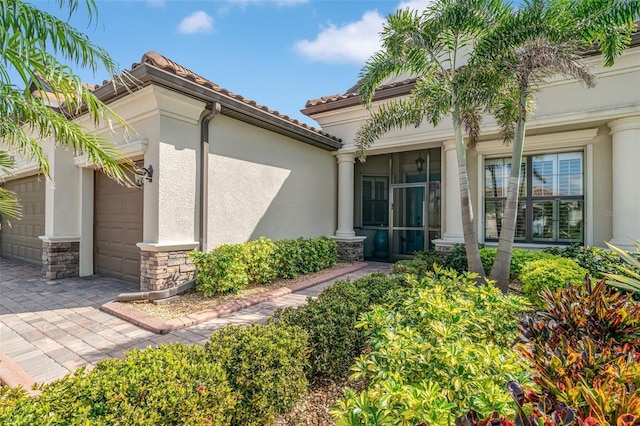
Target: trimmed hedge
{"x":170,"y":384}
{"x":330,"y":321}
{"x":232,"y":267}
{"x":549,"y":274}
{"x":456,"y":259}
{"x":242,"y":376}
{"x":265,"y":368}
{"x":519,"y":257}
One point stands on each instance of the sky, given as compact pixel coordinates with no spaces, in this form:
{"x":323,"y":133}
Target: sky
{"x":279,"y":53}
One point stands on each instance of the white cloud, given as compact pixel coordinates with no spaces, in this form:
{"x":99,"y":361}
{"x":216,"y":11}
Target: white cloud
{"x":414,"y":4}
{"x":160,"y":4}
{"x":354,"y":42}
{"x":276,"y":2}
{"x":243,"y":4}
{"x":197,"y":22}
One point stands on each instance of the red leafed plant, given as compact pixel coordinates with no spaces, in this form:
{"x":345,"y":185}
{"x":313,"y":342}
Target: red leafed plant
{"x":585,"y":352}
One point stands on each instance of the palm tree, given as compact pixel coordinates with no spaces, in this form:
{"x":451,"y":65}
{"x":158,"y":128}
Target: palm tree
{"x":540,"y":39}
{"x":433,"y":46}
{"x":31,"y":42}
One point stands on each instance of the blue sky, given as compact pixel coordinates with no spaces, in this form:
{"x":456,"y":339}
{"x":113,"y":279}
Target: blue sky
{"x":279,"y":53}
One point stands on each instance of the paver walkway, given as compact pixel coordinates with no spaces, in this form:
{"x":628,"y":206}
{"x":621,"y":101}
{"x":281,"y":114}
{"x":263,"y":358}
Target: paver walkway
{"x":50,"y":328}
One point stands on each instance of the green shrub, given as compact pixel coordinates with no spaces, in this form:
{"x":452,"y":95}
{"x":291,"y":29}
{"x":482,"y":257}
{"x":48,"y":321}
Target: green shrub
{"x":520,"y":257}
{"x":430,"y":256}
{"x":330,"y":322}
{"x":487,"y":256}
{"x":221,"y":270}
{"x":265,"y":368}
{"x":289,"y":257}
{"x":302,"y":256}
{"x":439,"y":349}
{"x":596,"y":260}
{"x":170,"y":384}
{"x":549,"y":274}
{"x":231,"y":268}
{"x":259,"y":260}
{"x":416,"y":267}
{"x":456,"y":258}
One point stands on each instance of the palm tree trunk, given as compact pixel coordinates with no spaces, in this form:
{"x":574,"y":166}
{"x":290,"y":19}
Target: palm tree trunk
{"x":474,"y":263}
{"x":501,"y":270}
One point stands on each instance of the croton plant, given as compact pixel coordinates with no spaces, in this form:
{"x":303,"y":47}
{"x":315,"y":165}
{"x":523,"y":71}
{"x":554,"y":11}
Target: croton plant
{"x":584,"y":348}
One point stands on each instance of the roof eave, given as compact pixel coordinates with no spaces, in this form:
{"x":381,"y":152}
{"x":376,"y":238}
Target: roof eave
{"x":388,"y":93}
{"x":145,"y":74}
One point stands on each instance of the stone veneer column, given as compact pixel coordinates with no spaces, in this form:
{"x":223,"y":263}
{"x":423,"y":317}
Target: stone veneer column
{"x":625,"y":209}
{"x":60,"y":257}
{"x":350,"y":247}
{"x":165,"y":267}
{"x":452,"y":210}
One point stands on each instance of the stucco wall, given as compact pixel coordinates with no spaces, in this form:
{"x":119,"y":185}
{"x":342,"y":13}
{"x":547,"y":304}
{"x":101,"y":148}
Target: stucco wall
{"x":264,"y":184}
{"x":601,"y":183}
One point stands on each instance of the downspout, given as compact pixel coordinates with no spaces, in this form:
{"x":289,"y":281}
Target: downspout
{"x":207,"y":115}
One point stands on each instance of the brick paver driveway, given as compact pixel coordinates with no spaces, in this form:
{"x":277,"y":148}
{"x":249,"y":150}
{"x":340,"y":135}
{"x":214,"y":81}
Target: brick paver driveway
{"x":50,"y":328}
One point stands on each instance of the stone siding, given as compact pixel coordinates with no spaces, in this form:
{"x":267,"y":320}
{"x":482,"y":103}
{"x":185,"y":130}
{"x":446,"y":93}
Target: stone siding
{"x":60,"y":259}
{"x":165,"y":269}
{"x":351,"y":251}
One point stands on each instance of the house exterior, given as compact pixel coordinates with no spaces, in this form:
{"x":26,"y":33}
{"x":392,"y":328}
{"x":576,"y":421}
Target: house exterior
{"x":582,"y":174}
{"x":223,"y":170}
{"x":218,"y":168}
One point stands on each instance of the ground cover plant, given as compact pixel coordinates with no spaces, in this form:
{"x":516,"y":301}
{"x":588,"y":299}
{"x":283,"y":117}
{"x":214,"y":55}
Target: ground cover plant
{"x":438,"y":349}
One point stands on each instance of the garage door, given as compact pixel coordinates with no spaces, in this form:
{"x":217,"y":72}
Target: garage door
{"x":20,"y":240}
{"x":118,"y":227}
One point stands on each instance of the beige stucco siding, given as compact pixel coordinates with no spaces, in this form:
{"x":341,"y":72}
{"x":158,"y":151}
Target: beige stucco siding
{"x":601,"y":184}
{"x":176,"y":177}
{"x":264,"y":184}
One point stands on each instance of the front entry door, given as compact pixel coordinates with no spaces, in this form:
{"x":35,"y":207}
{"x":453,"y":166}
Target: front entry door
{"x":408,"y":219}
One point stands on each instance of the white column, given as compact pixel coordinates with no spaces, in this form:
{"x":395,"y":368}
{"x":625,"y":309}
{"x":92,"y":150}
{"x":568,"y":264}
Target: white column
{"x":625,"y":209}
{"x":346,"y":166}
{"x":452,"y":214}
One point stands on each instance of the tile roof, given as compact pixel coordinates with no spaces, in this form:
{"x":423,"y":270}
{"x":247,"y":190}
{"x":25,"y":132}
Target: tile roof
{"x":353,"y":92}
{"x":397,"y":88}
{"x":163,"y":63}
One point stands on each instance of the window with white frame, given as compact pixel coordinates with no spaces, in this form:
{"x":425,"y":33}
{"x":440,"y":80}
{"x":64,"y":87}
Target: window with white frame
{"x":375,"y":201}
{"x":551,"y":201}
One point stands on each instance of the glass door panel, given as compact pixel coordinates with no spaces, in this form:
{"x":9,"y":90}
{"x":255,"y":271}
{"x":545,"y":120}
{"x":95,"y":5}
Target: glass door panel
{"x":408,"y":226}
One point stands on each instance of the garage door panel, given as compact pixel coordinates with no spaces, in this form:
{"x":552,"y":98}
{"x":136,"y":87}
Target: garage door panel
{"x":20,"y":240}
{"x":118,"y":228}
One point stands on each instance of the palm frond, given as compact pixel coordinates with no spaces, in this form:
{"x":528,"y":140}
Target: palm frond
{"x":33,"y":41}
{"x":629,"y":277}
{"x":392,"y":115}
{"x":9,"y":206}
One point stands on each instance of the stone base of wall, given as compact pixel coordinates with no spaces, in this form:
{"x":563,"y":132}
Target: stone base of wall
{"x":351,"y":251}
{"x":60,"y":259}
{"x":444,"y":246}
{"x":165,"y":269}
